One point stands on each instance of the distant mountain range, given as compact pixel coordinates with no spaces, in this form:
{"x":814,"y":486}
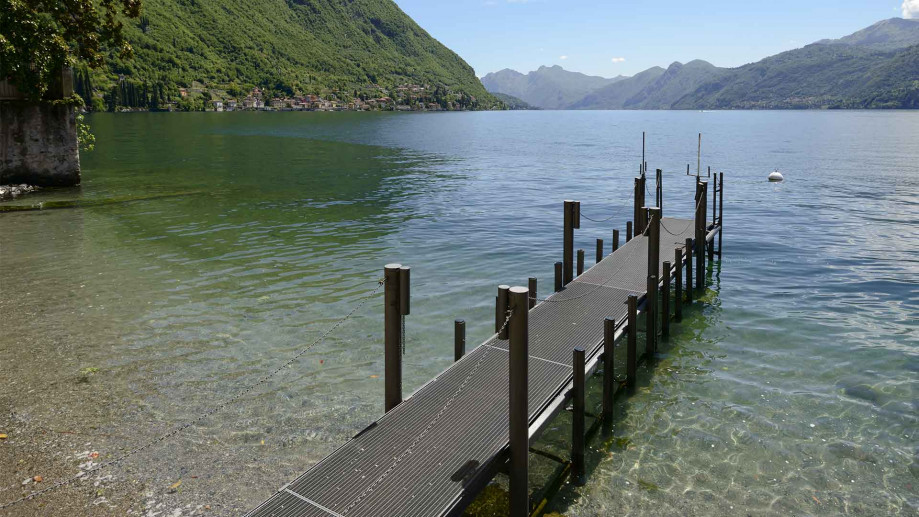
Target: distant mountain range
{"x":877,"y":67}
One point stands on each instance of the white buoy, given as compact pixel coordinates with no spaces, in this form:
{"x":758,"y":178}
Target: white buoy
{"x":776,"y":176}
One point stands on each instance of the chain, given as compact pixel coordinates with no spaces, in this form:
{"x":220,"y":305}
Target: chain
{"x":599,"y":220}
{"x":408,"y":451}
{"x":203,"y":416}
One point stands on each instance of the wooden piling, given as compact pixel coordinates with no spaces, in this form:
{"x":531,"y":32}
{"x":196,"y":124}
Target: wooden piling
{"x":599,"y":250}
{"x":531,"y":283}
{"x":501,"y":306}
{"x":615,"y":240}
{"x":631,"y":361}
{"x":650,"y":323}
{"x":665,"y":301}
{"x":628,"y":231}
{"x":720,"y":210}
{"x":568,"y":243}
{"x":689,"y":246}
{"x":558,"y":277}
{"x":459,"y":339}
{"x":392,"y":317}
{"x":518,"y":414}
{"x":578,"y":437}
{"x":580,"y":262}
{"x":678,"y":285}
{"x":609,"y":374}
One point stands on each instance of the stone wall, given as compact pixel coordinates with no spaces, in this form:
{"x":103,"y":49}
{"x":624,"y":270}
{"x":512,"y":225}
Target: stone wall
{"x":38,"y":144}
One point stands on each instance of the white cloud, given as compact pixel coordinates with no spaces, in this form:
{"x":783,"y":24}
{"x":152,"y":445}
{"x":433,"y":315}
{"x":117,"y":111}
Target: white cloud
{"x":618,"y":59}
{"x":563,"y":57}
{"x":910,"y":9}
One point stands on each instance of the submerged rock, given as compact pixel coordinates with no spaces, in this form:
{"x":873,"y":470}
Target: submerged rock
{"x":862,"y":391}
{"x":12,"y":191}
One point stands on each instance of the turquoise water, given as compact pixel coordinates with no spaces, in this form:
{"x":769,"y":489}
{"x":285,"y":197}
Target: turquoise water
{"x":790,"y":390}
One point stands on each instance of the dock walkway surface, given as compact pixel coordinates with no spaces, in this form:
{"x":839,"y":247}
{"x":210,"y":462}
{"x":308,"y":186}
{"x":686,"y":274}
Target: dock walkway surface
{"x":433,"y":453}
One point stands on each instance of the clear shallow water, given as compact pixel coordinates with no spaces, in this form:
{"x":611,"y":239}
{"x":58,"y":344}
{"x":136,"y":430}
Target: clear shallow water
{"x":791,"y":390}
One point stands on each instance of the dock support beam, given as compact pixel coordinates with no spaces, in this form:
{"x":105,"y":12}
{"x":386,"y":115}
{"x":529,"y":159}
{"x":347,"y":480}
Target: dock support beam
{"x":665,"y":301}
{"x":577,"y":426}
{"x":395,"y":279}
{"x":615,"y":240}
{"x":501,"y":305}
{"x":609,"y":377}
{"x":572,"y":221}
{"x":518,"y":425}
{"x":631,"y":360}
{"x":678,"y":284}
{"x":558,"y":277}
{"x":689,"y":245}
{"x":580,"y":262}
{"x":459,"y":339}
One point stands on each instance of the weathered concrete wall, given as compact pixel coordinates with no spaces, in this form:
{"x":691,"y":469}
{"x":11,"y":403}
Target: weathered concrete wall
{"x":38,"y":144}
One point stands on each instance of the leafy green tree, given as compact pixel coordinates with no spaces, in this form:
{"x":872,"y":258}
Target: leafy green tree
{"x":39,"y":37}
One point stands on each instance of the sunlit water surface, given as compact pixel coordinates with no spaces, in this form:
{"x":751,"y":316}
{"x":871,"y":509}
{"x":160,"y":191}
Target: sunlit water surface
{"x":790,"y":390}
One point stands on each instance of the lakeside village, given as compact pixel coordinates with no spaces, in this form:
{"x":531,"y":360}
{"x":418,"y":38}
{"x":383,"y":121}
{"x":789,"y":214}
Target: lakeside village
{"x":127,"y":96}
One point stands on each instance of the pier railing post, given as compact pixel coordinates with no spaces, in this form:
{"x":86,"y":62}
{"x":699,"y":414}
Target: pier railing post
{"x":580,"y":262}
{"x":678,"y":285}
{"x":572,"y":221}
{"x":720,"y":210}
{"x":637,"y":209}
{"x":615,"y":240}
{"x":599,"y":250}
{"x":558,"y":277}
{"x":631,"y":360}
{"x":609,"y":374}
{"x":654,"y":261}
{"x":665,"y":301}
{"x":501,"y":303}
{"x":711,"y":247}
{"x":459,"y":339}
{"x":700,"y":235}
{"x":628,"y":231}
{"x":650,"y":321}
{"x":578,"y":427}
{"x":531,"y":282}
{"x":518,"y":330}
{"x":689,"y":245}
{"x":392,"y":353}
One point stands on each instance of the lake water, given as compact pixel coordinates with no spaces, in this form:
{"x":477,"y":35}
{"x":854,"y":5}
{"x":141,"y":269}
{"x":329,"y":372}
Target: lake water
{"x":791,"y":389}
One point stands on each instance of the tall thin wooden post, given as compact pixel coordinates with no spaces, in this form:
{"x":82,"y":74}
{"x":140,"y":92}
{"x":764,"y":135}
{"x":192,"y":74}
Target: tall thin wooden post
{"x":531,"y":282}
{"x":650,"y":323}
{"x":599,"y":250}
{"x":720,"y":210}
{"x":501,"y":305}
{"x":558,"y":277}
{"x":392,"y":317}
{"x":459,"y":339}
{"x":711,"y":247}
{"x":609,"y":374}
{"x":678,"y":284}
{"x":654,"y":261}
{"x":577,"y":426}
{"x":518,"y":425}
{"x":628,"y":231}
{"x":659,"y":188}
{"x":631,"y":359}
{"x":615,"y":240}
{"x":580,"y":262}
{"x":572,"y":221}
{"x":689,"y":246}
{"x":700,"y":235}
{"x":665,"y":301}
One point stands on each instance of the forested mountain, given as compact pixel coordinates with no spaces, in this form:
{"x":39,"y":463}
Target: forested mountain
{"x":877,"y":67}
{"x":285,"y":46}
{"x":550,"y":87}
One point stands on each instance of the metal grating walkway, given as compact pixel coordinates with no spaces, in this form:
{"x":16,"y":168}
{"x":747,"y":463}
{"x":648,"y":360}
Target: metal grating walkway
{"x":431,"y":454}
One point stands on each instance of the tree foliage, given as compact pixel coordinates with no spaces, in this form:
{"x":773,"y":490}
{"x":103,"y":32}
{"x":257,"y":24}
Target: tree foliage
{"x":39,"y":37}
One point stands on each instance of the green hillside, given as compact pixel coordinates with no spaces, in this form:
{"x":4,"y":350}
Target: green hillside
{"x":286,"y":46}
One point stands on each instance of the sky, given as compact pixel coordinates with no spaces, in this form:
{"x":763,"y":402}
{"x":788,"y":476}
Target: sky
{"x":613,"y":37}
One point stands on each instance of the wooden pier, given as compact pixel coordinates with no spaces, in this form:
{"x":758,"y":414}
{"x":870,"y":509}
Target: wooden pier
{"x":434,"y":451}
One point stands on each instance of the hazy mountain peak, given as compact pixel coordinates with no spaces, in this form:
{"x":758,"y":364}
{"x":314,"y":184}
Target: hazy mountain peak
{"x":890,"y":34}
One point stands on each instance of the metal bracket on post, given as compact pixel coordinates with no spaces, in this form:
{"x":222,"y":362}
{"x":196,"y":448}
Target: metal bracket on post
{"x":393,"y":312}
{"x":578,"y":470}
{"x":518,"y":401}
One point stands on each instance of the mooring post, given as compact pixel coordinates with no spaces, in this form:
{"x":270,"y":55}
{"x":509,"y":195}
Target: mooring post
{"x":580,"y":262}
{"x":392,"y":353}
{"x":700,"y":240}
{"x":654,"y":261}
{"x":577,"y":425}
{"x":572,"y":221}
{"x":558,"y":277}
{"x":711,"y":247}
{"x":631,"y":359}
{"x":518,"y":425}
{"x":599,"y":250}
{"x":678,"y":284}
{"x":532,"y":286}
{"x":689,"y":245}
{"x":665,"y":301}
{"x":459,"y":339}
{"x":615,"y":240}
{"x":720,"y":210}
{"x":659,"y":176}
{"x":650,"y":319}
{"x":628,"y":231}
{"x":636,"y":194}
{"x":501,"y":304}
{"x":609,"y":374}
